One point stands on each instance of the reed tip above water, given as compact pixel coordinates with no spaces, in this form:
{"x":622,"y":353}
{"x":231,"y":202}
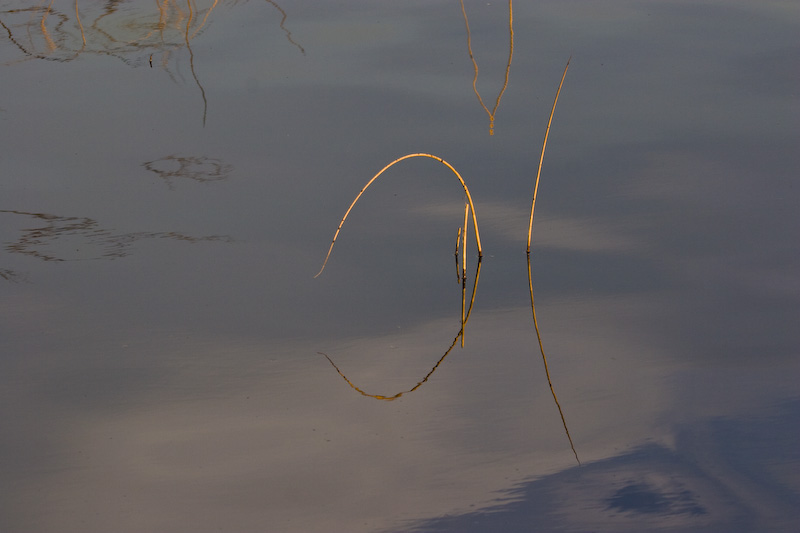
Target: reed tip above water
{"x":541,"y":157}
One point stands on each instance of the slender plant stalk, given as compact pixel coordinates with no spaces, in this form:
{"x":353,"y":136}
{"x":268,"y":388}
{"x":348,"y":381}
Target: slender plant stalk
{"x":458,"y":246}
{"x":464,"y":272}
{"x":541,"y":158}
{"x":464,"y":243}
{"x":530,"y":276}
{"x":437,"y":158}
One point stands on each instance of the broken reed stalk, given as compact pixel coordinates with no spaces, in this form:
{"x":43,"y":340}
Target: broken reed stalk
{"x":541,"y":158}
{"x":408,"y":156}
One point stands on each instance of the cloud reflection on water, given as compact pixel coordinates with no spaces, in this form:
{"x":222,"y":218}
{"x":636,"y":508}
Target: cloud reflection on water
{"x":208,"y":435}
{"x":164,"y":392}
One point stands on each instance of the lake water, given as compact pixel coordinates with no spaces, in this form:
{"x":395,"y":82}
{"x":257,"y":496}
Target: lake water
{"x":172,"y":174}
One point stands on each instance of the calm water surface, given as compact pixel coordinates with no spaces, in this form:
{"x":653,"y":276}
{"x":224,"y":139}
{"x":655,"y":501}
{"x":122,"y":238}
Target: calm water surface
{"x":171,"y":176}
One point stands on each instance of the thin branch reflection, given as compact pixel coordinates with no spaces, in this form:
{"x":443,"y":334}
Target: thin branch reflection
{"x":84,"y":238}
{"x":475,"y":63}
{"x":120,"y":29}
{"x":201,"y":169}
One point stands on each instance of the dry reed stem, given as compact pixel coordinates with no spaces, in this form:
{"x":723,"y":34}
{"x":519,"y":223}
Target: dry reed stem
{"x":458,"y":246}
{"x":530,"y":275}
{"x":408,"y":156}
{"x":541,"y":158}
{"x":464,"y":244}
{"x":464,"y":272}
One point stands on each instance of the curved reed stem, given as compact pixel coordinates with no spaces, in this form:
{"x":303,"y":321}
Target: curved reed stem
{"x":437,"y":158}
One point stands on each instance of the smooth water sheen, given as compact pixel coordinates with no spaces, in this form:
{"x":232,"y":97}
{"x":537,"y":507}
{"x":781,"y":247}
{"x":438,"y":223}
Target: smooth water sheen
{"x":172,"y":174}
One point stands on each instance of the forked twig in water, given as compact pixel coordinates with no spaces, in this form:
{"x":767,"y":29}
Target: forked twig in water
{"x":475,"y":63}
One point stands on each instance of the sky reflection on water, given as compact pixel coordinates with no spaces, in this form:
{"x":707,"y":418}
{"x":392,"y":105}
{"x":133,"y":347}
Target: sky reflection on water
{"x":179,"y":385}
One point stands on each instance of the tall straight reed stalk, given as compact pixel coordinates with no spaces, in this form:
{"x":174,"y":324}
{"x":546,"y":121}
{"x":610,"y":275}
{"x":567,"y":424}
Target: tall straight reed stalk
{"x":530,"y":276}
{"x":371,"y":181}
{"x":541,"y":158}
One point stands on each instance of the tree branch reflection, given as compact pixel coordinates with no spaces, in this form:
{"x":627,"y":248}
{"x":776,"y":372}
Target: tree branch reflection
{"x":34,"y":241}
{"x":191,"y":53}
{"x":200,"y":169}
{"x":475,"y":63}
{"x":133,"y":36}
{"x":460,"y":335}
{"x":285,"y":30}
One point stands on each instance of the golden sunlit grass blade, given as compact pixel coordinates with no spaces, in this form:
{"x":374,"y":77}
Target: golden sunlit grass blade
{"x":464,"y":272}
{"x":458,"y":247}
{"x":464,"y":243}
{"x":371,"y":181}
{"x":541,"y":158}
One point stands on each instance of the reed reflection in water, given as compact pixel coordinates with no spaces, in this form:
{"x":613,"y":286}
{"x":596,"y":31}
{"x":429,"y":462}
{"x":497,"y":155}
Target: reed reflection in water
{"x":460,"y":259}
{"x":461,"y":251}
{"x":530,"y":274}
